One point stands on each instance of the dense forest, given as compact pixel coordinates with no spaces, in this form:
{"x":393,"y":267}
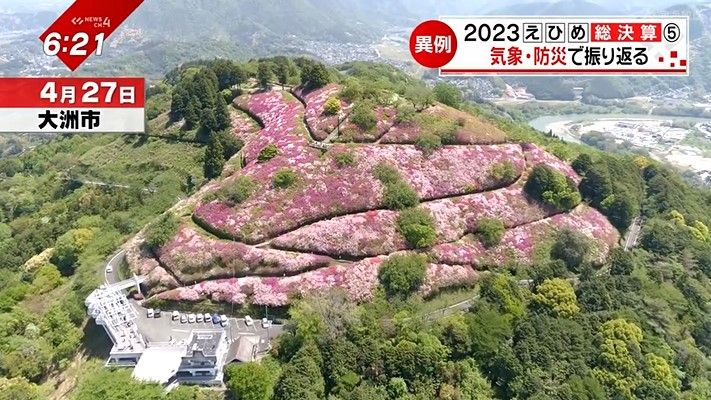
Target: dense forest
{"x":637,"y":327}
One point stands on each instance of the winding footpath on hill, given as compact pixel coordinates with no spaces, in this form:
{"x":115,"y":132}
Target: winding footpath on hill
{"x":331,"y":227}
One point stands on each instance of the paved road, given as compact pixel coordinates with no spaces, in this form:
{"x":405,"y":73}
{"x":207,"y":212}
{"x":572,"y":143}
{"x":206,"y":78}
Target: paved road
{"x":115,"y":263}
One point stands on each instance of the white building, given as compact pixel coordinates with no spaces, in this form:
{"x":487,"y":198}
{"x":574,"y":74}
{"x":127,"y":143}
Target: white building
{"x":196,"y":356}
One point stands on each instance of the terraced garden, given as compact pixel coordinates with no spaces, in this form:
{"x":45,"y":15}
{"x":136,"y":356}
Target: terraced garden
{"x":320,"y":200}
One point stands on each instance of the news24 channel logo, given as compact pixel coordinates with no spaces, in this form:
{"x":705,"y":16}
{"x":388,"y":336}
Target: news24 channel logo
{"x":530,"y":46}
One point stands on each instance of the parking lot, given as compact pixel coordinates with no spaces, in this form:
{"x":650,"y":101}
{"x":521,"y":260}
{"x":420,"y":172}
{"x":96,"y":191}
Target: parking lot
{"x":165,"y":329}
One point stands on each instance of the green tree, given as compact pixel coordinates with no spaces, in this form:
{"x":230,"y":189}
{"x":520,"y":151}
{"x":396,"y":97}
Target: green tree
{"x":504,"y":292}
{"x":69,"y":247}
{"x":573,"y":248}
{"x":620,"y":210}
{"x":557,"y":297}
{"x":265,"y":73}
{"x":19,"y":389}
{"x":402,"y":274}
{"x":448,"y":94}
{"x":315,"y":75}
{"x":552,"y":188}
{"x":214,"y":158}
{"x":179,"y":101}
{"x":490,"y":231}
{"x":663,"y":237}
{"x":417,"y":226}
{"x":582,"y":163}
{"x":453,"y":332}
{"x":250,"y":381}
{"x":107,"y":384}
{"x":46,"y":278}
{"x":621,"y":262}
{"x":161,"y":231}
{"x":301,"y":377}
{"x":420,"y":96}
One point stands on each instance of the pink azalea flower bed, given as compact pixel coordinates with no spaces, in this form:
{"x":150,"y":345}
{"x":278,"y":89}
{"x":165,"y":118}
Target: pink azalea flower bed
{"x":404,"y":132}
{"x":375,"y":232}
{"x":518,"y":244}
{"x":243,"y":126}
{"x":359,"y":280}
{"x":192,"y":256}
{"x":281,"y":115}
{"x":536,"y":155}
{"x":327,"y":190}
{"x":319,"y":124}
{"x":385,"y":116}
{"x":440,"y":276}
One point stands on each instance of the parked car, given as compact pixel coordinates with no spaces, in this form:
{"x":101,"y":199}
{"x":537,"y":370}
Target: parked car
{"x":183,"y":318}
{"x":149,"y":313}
{"x":207,"y":317}
{"x":199,"y":317}
{"x":109,"y":269}
{"x":191,"y":318}
{"x":157,"y":313}
{"x":266,"y":323}
{"x":248,"y":320}
{"x":175,"y":315}
{"x":223,"y":320}
{"x":215,"y":319}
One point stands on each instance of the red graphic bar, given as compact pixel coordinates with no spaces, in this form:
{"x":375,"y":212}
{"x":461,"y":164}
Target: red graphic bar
{"x":563,"y":71}
{"x":645,"y":32}
{"x":56,"y":92}
{"x":92,"y":17}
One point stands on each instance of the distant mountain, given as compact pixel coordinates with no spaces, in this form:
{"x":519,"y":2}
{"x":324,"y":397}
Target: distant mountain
{"x":26,"y":21}
{"x":266,"y":22}
{"x":563,"y":7}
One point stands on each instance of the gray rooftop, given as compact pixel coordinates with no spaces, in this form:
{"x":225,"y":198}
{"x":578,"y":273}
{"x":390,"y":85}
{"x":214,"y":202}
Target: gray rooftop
{"x":205,"y":342}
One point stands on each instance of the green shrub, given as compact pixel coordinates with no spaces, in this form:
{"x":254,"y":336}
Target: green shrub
{"x":552,"y":188}
{"x":386,"y":173}
{"x":364,"y":117}
{"x":344,"y":159}
{"x":405,"y":112}
{"x":332,"y":106}
{"x":399,"y":195}
{"x":428,"y":142}
{"x":240,"y":190}
{"x":448,"y":94}
{"x":401,"y":275}
{"x":504,"y":172}
{"x":268,"y":152}
{"x":161,"y":231}
{"x":284,"y":178}
{"x":572,"y":248}
{"x":490,"y":231}
{"x":417,"y":226}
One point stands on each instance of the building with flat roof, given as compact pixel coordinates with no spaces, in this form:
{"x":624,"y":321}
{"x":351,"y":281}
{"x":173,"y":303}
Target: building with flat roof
{"x":195,"y":355}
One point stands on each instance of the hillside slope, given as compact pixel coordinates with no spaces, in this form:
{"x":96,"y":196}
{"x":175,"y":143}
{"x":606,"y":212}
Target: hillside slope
{"x":318,"y":203}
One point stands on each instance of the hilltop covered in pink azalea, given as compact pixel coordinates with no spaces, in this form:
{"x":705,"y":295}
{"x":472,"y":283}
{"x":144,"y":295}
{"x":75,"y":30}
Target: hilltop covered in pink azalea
{"x":326,"y":189}
{"x":329,"y":226}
